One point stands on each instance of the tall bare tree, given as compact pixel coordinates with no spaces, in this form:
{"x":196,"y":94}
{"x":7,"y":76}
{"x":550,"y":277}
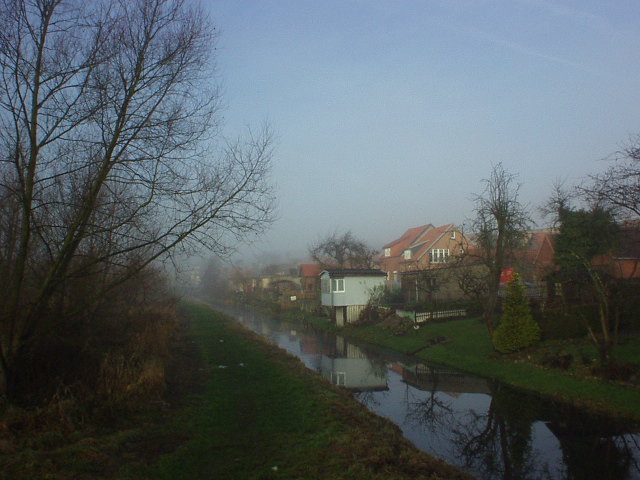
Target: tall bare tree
{"x":498,"y":227}
{"x":108,"y":159}
{"x":342,"y":251}
{"x":618,"y":188}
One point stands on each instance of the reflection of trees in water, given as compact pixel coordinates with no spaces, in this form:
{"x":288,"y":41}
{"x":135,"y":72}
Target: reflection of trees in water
{"x":631,"y":443}
{"x":368,"y":399}
{"x":378,"y":367}
{"x":590,"y":455}
{"x":431,"y":412}
{"x":497,"y":444}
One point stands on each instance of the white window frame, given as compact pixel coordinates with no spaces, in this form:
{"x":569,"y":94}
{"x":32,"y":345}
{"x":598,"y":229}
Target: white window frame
{"x":339,"y":378}
{"x":407,"y":254}
{"x":453,"y":235}
{"x":337,"y":285}
{"x":439,"y":255}
{"x":387,"y":252}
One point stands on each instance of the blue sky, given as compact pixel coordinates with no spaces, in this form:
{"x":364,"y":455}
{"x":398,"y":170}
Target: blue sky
{"x":389,"y":113}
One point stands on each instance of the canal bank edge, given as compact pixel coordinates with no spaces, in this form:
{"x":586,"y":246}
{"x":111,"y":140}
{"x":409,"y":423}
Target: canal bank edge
{"x":299,"y":423}
{"x":468,"y":349}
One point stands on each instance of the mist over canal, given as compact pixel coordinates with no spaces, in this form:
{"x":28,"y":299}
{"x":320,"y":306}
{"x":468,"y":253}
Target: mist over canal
{"x":483,"y":427}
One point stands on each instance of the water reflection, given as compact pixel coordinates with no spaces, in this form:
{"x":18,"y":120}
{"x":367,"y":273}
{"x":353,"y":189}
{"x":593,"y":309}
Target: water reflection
{"x":349,"y":367}
{"x":498,"y":442}
{"x":481,"y":426}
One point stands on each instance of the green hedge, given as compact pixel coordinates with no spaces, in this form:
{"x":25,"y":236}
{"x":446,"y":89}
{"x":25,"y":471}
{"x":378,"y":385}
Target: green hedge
{"x":561,"y":325}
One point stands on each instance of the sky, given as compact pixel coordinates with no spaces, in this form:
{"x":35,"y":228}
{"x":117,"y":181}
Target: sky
{"x":388,"y":114}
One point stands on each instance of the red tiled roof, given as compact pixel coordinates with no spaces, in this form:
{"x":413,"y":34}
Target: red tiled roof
{"x":399,"y":245}
{"x":429,"y":239}
{"x":310,"y":269}
{"x":355,"y":272}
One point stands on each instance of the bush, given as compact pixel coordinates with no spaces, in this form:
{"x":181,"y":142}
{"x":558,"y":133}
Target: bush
{"x":392,"y":298}
{"x":101,"y":356}
{"x":517,"y":329}
{"x":557,"y":360}
{"x":627,"y":304}
{"x":398,"y":325}
{"x":560,"y":325}
{"x":618,"y":371}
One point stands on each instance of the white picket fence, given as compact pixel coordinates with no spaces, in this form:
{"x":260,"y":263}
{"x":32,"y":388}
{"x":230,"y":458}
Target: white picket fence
{"x":422,"y":317}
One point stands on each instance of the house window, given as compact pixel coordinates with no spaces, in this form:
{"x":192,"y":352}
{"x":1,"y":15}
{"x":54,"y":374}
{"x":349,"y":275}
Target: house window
{"x":407,"y":254}
{"x":428,"y":283}
{"x":453,"y":235}
{"x":439,"y":255}
{"x":557,"y":289}
{"x":339,"y":378}
{"x":337,"y":285}
{"x":387,"y":252}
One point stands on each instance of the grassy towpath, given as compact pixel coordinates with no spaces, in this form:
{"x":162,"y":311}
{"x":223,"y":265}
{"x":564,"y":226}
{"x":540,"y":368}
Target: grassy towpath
{"x":467,"y":347}
{"x":263,"y":415}
{"x":237,"y":408}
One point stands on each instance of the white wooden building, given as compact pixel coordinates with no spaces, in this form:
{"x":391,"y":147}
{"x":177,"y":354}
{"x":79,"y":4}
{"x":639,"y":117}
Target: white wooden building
{"x":347,"y":291}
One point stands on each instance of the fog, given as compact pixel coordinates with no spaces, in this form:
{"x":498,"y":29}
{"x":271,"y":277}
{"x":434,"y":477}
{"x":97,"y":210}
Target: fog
{"x":388,"y":114}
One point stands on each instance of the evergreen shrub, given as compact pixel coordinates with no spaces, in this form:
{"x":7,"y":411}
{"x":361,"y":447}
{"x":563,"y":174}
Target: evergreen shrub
{"x":517,"y":329}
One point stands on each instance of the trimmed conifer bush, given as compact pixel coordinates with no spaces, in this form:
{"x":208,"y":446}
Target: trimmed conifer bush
{"x":517,"y":329}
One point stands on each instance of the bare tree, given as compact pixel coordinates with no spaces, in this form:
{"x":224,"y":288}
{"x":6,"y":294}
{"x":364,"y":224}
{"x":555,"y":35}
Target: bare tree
{"x":107,"y":160}
{"x":342,"y":251}
{"x":499,"y":227}
{"x":618,"y":188}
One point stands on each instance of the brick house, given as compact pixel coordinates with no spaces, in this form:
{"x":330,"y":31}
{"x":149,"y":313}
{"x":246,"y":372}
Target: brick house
{"x":428,"y":266}
{"x":624,"y":261}
{"x":392,"y":259}
{"x":415,"y":261}
{"x":310,"y":277}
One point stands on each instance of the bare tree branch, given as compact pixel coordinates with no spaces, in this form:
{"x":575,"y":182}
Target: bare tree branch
{"x":108,"y":152}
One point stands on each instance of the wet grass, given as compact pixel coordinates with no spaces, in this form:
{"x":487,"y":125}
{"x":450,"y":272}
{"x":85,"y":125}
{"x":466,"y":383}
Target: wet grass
{"x":238,"y":408}
{"x":468,"y":348}
{"x":264,"y":415}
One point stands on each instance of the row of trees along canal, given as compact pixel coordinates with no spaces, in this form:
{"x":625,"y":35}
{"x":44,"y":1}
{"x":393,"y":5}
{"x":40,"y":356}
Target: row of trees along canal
{"x":111,"y":159}
{"x":499,"y":228}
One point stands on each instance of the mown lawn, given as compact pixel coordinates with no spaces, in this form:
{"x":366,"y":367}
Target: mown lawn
{"x":245,"y":410}
{"x":468,"y":348}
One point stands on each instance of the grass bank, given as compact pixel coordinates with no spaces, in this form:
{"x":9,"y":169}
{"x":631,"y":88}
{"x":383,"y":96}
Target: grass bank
{"x":242,"y":409}
{"x":467,"y":347}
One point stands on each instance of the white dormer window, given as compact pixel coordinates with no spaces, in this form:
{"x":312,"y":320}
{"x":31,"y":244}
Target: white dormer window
{"x":407,"y":254}
{"x":387,"y":252}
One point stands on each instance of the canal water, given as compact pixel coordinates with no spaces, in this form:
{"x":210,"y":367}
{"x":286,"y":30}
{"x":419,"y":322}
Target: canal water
{"x":481,"y":426}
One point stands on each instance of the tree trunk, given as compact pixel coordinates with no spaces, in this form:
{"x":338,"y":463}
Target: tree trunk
{"x":4,"y":375}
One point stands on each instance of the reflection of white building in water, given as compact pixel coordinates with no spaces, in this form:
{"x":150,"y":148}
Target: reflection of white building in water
{"x":452,"y":382}
{"x":350,"y":368}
